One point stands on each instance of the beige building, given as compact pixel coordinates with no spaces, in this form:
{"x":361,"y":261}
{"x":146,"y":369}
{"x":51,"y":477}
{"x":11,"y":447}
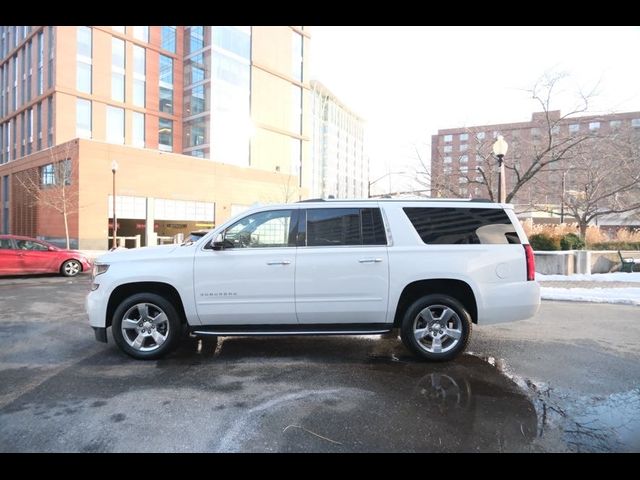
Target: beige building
{"x":202,"y":122}
{"x":340,"y":167}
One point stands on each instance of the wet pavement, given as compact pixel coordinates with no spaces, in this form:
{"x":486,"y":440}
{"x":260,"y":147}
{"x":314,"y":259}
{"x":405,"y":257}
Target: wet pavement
{"x":537,"y":385}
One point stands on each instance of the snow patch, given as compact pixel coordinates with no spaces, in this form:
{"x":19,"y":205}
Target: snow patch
{"x":625,"y":296}
{"x":595,"y":277}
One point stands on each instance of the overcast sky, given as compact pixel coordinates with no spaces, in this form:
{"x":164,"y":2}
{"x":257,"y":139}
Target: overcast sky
{"x":408,"y":82}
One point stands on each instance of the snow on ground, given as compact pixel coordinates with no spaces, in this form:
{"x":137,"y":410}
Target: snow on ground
{"x":596,"y":277}
{"x":627,"y":296}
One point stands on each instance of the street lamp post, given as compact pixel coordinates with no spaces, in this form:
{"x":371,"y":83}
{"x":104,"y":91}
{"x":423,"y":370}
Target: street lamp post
{"x":500,"y":150}
{"x":114,"y":169}
{"x":381,"y":178}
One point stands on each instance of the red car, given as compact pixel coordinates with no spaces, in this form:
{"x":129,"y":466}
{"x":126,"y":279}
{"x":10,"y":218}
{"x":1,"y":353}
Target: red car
{"x":24,"y":255}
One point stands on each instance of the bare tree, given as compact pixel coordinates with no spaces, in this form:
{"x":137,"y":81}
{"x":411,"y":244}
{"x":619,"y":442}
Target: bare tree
{"x":533,"y":152}
{"x":604,"y":179}
{"x":51,"y":186}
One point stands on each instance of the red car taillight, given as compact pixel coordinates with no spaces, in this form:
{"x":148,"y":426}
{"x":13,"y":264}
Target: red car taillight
{"x":531,"y":262}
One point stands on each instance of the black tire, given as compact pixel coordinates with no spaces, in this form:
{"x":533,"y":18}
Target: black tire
{"x":71,"y":268}
{"x":155,"y":303}
{"x":450,"y":347}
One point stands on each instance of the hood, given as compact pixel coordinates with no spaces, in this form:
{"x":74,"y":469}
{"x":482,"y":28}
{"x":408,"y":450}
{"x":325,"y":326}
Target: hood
{"x":125,"y":255}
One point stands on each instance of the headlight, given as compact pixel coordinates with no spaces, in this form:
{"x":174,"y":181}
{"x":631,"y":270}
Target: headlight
{"x":99,"y":268}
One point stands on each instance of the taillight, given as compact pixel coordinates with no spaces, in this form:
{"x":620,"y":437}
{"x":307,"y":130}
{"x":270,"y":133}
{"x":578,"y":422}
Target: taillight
{"x":531,"y":262}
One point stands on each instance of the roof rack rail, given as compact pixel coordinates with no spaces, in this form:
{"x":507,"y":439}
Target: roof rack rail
{"x":483,"y":200}
{"x":311,"y":200}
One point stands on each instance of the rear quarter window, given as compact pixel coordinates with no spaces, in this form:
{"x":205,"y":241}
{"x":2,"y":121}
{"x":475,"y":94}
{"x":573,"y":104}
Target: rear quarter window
{"x":455,"y":226}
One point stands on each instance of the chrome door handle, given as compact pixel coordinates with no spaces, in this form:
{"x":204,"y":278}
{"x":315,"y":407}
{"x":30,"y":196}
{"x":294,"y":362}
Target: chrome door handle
{"x":370,"y":260}
{"x":279,"y":262}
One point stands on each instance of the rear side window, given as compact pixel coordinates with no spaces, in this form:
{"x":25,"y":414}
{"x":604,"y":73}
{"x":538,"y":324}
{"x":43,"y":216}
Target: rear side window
{"x":5,"y":244}
{"x":345,"y":226}
{"x":450,"y":226}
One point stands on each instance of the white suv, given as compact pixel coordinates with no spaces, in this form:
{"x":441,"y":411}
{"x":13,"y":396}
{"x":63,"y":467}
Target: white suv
{"x":431,"y":268}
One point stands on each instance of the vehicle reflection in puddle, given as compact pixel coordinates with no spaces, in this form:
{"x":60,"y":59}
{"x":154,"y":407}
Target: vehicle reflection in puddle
{"x":351,"y":394}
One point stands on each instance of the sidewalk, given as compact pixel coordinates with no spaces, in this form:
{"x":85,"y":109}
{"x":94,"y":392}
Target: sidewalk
{"x":569,"y":284}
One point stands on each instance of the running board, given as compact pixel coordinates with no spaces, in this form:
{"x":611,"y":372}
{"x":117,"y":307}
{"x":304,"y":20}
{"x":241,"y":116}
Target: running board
{"x":308,"y":329}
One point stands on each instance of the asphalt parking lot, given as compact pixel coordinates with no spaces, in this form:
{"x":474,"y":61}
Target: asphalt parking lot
{"x":567,"y":380}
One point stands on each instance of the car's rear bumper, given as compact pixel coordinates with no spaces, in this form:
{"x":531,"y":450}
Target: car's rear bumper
{"x":509,"y":302}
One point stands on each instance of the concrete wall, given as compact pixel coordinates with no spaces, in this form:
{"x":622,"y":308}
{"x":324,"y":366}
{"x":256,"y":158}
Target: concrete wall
{"x":567,"y":262}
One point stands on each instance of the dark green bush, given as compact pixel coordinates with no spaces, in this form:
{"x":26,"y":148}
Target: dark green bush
{"x":540,"y":241}
{"x":571,"y":241}
{"x":615,"y":246}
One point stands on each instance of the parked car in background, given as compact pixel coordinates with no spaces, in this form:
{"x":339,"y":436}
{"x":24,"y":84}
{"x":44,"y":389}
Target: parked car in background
{"x":24,"y":255}
{"x":197,"y":235}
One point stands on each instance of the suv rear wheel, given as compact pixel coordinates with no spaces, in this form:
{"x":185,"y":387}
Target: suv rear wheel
{"x":436,"y":327}
{"x":146,"y":326}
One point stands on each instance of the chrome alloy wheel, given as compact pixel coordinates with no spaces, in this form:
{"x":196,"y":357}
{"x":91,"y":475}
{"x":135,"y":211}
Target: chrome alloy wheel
{"x":72,"y":268}
{"x":145,"y":327}
{"x":437,"y":328}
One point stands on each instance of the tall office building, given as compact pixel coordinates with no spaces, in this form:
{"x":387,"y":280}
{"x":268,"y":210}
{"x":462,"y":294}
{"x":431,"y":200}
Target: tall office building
{"x":339,"y":163}
{"x":202,"y":122}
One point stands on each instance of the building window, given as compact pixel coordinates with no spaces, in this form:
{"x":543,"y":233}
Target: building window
{"x":635,"y":122}
{"x":115,"y":125}
{"x":194,"y":39}
{"x":555,"y":130}
{"x":119,"y":29}
{"x":196,"y":100}
{"x":29,"y":69}
{"x":47,"y":175}
{"x":28,"y":120}
{"x":83,"y":60}
{"x":464,"y":158}
{"x":83,"y":118}
{"x":165,"y":135}
{"x":196,"y":132}
{"x":166,"y":84}
{"x":464,"y":137}
{"x":296,"y":109}
{"x":463,"y":147}
{"x":40,"y":63}
{"x":447,"y":160}
{"x":535,"y":133}
{"x":296,"y":56}
{"x":168,"y":41}
{"x":594,"y":126}
{"x":236,"y":40}
{"x":464,"y":169}
{"x":5,"y":204}
{"x":447,"y":148}
{"x":138,"y":129}
{"x":615,"y":124}
{"x":51,"y":47}
{"x":574,"y":128}
{"x":141,"y":32}
{"x":480,"y":135}
{"x":49,"y":121}
{"x":39,"y":126}
{"x":448,"y":138}
{"x":25,"y":67}
{"x":117,"y":69}
{"x":139,"y":76}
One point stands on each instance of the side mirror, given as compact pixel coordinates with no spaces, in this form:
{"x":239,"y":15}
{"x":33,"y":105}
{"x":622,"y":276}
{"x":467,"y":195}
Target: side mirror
{"x":218,"y":242}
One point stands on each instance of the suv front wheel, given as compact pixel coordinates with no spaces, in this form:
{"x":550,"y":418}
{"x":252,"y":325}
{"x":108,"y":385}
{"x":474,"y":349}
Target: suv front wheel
{"x":146,"y":326}
{"x":436,"y":327}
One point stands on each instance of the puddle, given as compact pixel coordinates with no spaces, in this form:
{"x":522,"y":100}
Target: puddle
{"x":567,"y":422}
